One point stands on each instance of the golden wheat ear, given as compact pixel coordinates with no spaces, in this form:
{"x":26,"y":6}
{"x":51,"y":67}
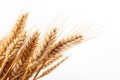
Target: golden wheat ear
{"x":47,"y":41}
{"x":22,"y":60}
{"x":11,"y":52}
{"x":16,"y":30}
{"x":67,"y":42}
{"x":45,"y":44}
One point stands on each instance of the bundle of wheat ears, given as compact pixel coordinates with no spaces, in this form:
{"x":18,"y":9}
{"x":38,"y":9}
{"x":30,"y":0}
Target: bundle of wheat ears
{"x":23,"y":56}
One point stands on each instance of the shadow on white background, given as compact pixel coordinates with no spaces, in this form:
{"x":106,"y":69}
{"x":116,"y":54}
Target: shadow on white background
{"x":96,"y":59}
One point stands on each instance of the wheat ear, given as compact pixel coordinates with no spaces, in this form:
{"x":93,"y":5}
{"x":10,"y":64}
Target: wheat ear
{"x":63,"y":44}
{"x":12,"y":50}
{"x":16,"y":30}
{"x":46,"y":72}
{"x":25,"y":53}
{"x":48,"y":40}
{"x":44,"y":46}
{"x":67,"y":42}
{"x":13,"y":56}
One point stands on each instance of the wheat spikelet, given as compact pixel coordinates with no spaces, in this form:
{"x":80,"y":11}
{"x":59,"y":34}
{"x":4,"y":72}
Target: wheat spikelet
{"x":25,"y":53}
{"x":16,"y":30}
{"x":46,"y":72}
{"x":11,"y":51}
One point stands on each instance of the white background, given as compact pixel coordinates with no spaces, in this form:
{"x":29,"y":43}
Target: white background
{"x":96,"y":59}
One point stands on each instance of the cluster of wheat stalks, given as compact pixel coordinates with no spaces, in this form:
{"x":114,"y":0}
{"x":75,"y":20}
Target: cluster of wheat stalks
{"x":23,"y":56}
